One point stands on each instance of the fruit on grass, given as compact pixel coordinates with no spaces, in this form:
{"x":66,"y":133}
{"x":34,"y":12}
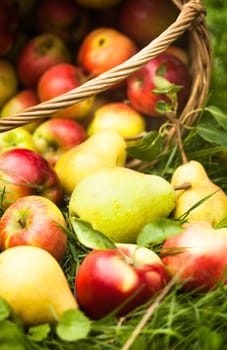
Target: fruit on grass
{"x":56,"y":136}
{"x":60,"y":79}
{"x":97,"y":52}
{"x":8,"y":26}
{"x":106,"y":148}
{"x":38,"y":54}
{"x":98,"y":4}
{"x":8,"y":81}
{"x":34,"y":220}
{"x":124,"y":278}
{"x":24,"y":172}
{"x":212,"y":209}
{"x":144,"y":20}
{"x":198,"y":256}
{"x":119,"y":201}
{"x":119,"y":116}
{"x":65,"y":19}
{"x":16,"y":138}
{"x":34,"y":285}
{"x":23,"y":99}
{"x":141,"y":83}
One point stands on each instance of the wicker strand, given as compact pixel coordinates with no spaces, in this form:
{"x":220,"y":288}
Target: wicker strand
{"x":191,"y":17}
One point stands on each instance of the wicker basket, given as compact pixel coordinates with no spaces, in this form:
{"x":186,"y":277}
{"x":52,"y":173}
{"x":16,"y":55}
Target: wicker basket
{"x":191,"y":20}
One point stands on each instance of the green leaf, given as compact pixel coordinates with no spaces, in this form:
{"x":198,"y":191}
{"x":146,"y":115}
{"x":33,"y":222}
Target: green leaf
{"x":219,"y":116}
{"x":211,"y":133}
{"x":89,"y":237}
{"x":148,"y":148}
{"x":163,"y":86}
{"x":73,"y":325}
{"x":209,"y":339}
{"x":158,"y":230}
{"x":161,"y":70}
{"x":5,"y":310}
{"x":11,"y":337}
{"x":163,"y":107}
{"x":39,"y":333}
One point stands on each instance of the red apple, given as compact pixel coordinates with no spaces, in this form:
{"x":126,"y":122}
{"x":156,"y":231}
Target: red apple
{"x":24,"y":172}
{"x":62,"y":78}
{"x":108,"y":278}
{"x":38,"y":54}
{"x":98,"y":4}
{"x":63,"y":18}
{"x":144,"y":20}
{"x":180,"y":53}
{"x":140,"y":84}
{"x":18,"y":103}
{"x":55,"y":136}
{"x":198,"y":255}
{"x":36,"y":221}
{"x":8,"y":81}
{"x":9,"y":21}
{"x":104,"y":48}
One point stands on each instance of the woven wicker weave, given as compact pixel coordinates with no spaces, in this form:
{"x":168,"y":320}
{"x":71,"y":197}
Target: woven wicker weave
{"x":192,"y":19}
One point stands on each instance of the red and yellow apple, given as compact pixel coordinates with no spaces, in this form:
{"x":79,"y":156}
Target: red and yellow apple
{"x":36,"y":221}
{"x":140,"y":84}
{"x":119,"y":116}
{"x":16,"y":138}
{"x":55,"y":136}
{"x":38,"y":54}
{"x":104,"y":48}
{"x":60,"y":79}
{"x":124,"y":278}
{"x":198,"y":256}
{"x":24,"y":172}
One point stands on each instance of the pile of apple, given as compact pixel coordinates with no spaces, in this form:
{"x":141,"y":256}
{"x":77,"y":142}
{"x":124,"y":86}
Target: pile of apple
{"x":70,"y":168}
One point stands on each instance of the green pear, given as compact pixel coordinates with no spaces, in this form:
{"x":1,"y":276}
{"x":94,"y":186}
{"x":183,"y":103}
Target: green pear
{"x":213,"y":209}
{"x":106,"y":148}
{"x":119,"y":201}
{"x":34,"y":285}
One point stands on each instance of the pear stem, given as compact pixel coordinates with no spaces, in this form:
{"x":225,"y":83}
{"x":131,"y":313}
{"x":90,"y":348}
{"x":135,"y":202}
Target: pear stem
{"x":183,"y":186}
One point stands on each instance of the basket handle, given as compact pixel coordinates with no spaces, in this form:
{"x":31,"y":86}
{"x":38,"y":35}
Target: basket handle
{"x":191,"y":17}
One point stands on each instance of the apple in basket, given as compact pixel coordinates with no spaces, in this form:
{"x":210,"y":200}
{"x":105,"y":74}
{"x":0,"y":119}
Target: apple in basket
{"x":63,"y":18}
{"x":25,"y":172}
{"x":37,"y":55}
{"x":55,"y":136}
{"x":104,"y":48}
{"x":8,"y":81}
{"x":141,"y":83}
{"x":62,"y":78}
{"x":9,"y":21}
{"x":23,"y":99}
{"x":34,"y":220}
{"x":145,"y":20}
{"x":118,"y":280}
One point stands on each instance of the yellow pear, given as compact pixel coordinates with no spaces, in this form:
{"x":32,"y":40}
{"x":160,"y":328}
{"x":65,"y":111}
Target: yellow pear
{"x":34,"y":285}
{"x":106,"y":148}
{"x":213,"y":209}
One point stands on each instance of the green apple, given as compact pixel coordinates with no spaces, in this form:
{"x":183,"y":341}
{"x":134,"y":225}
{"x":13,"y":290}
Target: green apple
{"x":119,"y":201}
{"x":18,"y":137}
{"x":106,"y":148}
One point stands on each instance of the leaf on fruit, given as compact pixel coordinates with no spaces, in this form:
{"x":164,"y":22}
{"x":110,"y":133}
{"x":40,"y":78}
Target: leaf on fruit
{"x":39,"y":333}
{"x":218,"y":115}
{"x":89,"y":237}
{"x":161,"y":70}
{"x":163,"y":107}
{"x":163,"y":86}
{"x":157,"y":231}
{"x":5,"y":310}
{"x":73,"y":325}
{"x":148,"y":148}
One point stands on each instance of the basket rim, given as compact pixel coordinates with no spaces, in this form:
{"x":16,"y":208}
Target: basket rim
{"x":191,"y":17}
